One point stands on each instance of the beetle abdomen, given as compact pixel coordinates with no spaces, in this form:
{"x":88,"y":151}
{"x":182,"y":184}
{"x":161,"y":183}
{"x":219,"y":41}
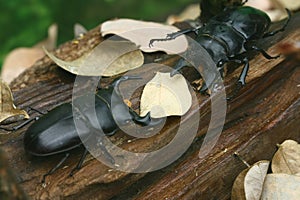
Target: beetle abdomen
{"x":53,"y":133}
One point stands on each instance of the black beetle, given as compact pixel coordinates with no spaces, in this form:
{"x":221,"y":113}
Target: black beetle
{"x":229,"y":36}
{"x":55,"y":132}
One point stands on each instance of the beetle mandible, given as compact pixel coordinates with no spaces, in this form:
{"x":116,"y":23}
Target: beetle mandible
{"x":229,"y":36}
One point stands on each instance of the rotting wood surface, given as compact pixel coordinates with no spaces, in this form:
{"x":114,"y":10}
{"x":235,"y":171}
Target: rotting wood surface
{"x":266,"y":112}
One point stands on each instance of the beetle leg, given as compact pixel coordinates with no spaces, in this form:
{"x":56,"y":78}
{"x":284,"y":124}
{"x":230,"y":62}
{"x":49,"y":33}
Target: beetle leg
{"x":117,"y":82}
{"x":242,"y":79}
{"x":243,"y":75}
{"x":172,"y":36}
{"x":51,"y":171}
{"x":25,"y":122}
{"x":20,"y":125}
{"x":264,"y":53}
{"x":244,"y":2}
{"x":282,"y":28}
{"x":79,"y":164}
{"x":180,"y":64}
{"x":37,"y":110}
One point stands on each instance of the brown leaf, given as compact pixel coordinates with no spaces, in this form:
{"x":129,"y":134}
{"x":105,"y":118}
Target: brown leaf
{"x":287,"y":158}
{"x":281,"y":186}
{"x":238,"y":191}
{"x":19,"y":59}
{"x":8,"y":110}
{"x":109,"y":58}
{"x":249,"y":183}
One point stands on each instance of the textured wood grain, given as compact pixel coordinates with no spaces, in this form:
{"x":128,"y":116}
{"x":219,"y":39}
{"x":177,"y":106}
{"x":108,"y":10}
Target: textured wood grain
{"x":264,"y":113}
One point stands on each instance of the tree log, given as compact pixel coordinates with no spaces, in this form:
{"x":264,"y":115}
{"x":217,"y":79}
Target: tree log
{"x":264,"y":113}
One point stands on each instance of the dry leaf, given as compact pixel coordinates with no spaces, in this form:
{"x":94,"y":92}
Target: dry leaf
{"x":8,"y":110}
{"x":79,"y":30}
{"x":166,"y":96}
{"x":19,"y":59}
{"x":263,"y":5}
{"x":238,"y":191}
{"x":275,"y":8}
{"x":249,"y":183}
{"x":287,"y":158}
{"x":290,"y":4}
{"x":141,"y":32}
{"x":109,"y":58}
{"x":254,"y":180}
{"x":281,"y":186}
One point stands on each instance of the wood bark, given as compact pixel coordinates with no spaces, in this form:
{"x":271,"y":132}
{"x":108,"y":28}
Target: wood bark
{"x":264,"y":113}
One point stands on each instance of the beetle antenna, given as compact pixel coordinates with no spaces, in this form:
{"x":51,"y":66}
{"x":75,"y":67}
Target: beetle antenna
{"x":55,"y":167}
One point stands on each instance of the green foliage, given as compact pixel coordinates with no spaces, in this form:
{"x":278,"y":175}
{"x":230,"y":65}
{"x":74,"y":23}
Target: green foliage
{"x":25,"y":22}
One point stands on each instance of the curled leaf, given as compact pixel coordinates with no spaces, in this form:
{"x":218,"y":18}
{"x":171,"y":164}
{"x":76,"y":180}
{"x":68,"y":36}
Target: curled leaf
{"x":109,"y":58}
{"x":281,"y":186}
{"x":238,"y":191}
{"x":249,"y":183}
{"x":166,"y":96}
{"x":254,"y":180}
{"x":141,"y":32}
{"x":8,"y":111}
{"x":287,"y":158}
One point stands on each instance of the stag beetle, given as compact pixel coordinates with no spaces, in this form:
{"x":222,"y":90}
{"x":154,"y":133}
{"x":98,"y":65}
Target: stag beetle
{"x":55,"y":132}
{"x":229,"y":36}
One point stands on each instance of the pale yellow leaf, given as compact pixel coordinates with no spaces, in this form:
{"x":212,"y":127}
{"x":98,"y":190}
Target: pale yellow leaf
{"x":254,"y":180}
{"x":275,"y":9}
{"x":166,"y":96}
{"x":109,"y":58}
{"x":141,"y":32}
{"x":290,"y":4}
{"x":8,"y":110}
{"x":281,"y":187}
{"x":249,"y":183}
{"x":287,"y":158}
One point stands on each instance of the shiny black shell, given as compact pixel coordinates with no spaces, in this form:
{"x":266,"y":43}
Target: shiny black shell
{"x":55,"y":132}
{"x":226,"y":35}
